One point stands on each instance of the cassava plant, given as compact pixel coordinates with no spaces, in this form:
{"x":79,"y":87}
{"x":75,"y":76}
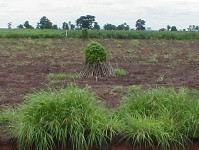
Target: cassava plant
{"x":96,"y":61}
{"x":85,"y":33}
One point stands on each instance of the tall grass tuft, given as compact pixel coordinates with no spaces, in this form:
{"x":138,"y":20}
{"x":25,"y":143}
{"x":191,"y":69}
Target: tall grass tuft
{"x":160,"y":117}
{"x":51,"y":119}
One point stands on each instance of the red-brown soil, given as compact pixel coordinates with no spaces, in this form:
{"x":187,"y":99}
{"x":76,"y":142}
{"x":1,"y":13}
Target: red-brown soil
{"x":26,"y":63}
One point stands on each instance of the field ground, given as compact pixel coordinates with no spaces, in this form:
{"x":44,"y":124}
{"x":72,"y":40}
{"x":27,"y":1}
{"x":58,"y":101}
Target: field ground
{"x":26,"y":65}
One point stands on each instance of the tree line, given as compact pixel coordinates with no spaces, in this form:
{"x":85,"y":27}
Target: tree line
{"x":89,"y":22}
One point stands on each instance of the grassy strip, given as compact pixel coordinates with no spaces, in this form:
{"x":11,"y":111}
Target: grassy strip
{"x":116,"y":34}
{"x":155,"y":117}
{"x":31,"y":33}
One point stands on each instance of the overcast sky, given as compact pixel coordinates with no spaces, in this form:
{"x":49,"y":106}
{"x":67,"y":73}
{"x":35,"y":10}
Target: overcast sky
{"x":156,"y":13}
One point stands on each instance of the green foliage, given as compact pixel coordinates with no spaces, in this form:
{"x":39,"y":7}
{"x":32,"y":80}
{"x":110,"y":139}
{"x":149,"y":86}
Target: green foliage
{"x":31,"y":33}
{"x":95,"y":52}
{"x":109,"y":27}
{"x":74,"y":116}
{"x":61,"y":75}
{"x":44,"y":23}
{"x":85,"y":22}
{"x":160,"y":117}
{"x":7,"y":115}
{"x":70,"y":115}
{"x":27,"y":25}
{"x":140,"y":24}
{"x":135,"y":42}
{"x":65,"y":26}
{"x":125,"y":34}
{"x":96,"y":26}
{"x":118,"y":89}
{"x":134,"y":88}
{"x":20,"y":26}
{"x":84,"y":33}
{"x":123,"y":26}
{"x":106,"y":34}
{"x":173,"y":28}
{"x":119,"y":72}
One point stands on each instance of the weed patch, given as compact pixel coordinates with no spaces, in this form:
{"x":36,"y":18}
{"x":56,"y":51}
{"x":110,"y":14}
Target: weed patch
{"x":119,"y":72}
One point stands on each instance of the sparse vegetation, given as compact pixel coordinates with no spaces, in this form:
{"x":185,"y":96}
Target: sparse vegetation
{"x":134,"y":88}
{"x":119,"y":72}
{"x":135,"y":42}
{"x":61,"y":75}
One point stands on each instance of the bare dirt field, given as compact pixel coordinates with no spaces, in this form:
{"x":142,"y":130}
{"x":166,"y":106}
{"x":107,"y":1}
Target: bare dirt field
{"x":25,"y":66}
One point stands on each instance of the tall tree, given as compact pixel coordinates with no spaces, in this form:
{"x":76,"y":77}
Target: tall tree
{"x":9,"y":25}
{"x":193,"y":28}
{"x":197,"y":28}
{"x":162,"y":29}
{"x":85,"y":22}
{"x":140,"y":24}
{"x":173,"y":28}
{"x":109,"y":26}
{"x":27,"y":25}
{"x":96,"y":26}
{"x":20,"y":26}
{"x":123,"y":26}
{"x":189,"y":28}
{"x":44,"y":23}
{"x":168,"y":27}
{"x":54,"y":26}
{"x":72,"y":26}
{"x":65,"y":26}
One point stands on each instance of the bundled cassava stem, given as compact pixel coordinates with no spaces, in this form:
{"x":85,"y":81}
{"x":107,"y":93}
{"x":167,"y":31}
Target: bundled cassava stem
{"x":96,"y":69}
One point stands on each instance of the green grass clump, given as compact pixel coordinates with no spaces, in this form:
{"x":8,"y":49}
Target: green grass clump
{"x":161,"y":117}
{"x":50,"y":118}
{"x":135,"y":42}
{"x":61,"y":75}
{"x":134,"y":88}
{"x":7,"y":115}
{"x":119,"y":72}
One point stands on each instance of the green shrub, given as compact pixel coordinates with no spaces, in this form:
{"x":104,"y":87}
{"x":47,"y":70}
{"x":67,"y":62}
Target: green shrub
{"x":70,"y":115}
{"x":95,"y":52}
